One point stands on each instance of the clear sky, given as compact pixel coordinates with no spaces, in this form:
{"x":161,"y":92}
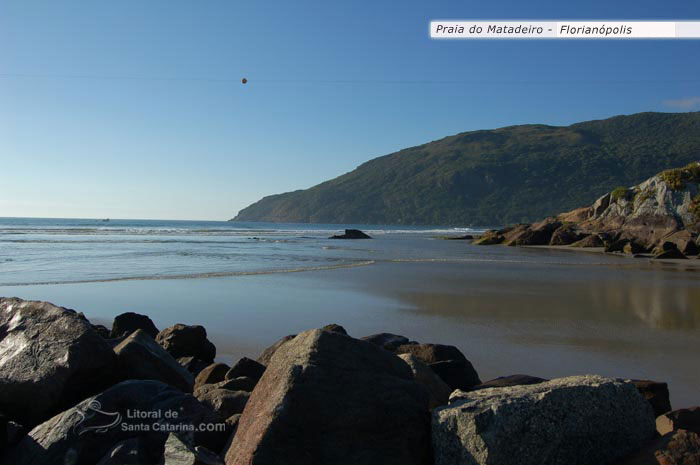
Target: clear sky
{"x":134,"y":109}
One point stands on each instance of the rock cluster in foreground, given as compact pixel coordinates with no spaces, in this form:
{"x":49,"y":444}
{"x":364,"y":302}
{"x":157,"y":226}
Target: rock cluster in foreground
{"x":659,"y":218}
{"x":70,"y":393}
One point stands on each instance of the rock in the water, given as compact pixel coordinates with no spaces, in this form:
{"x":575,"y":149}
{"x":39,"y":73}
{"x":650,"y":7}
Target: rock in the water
{"x":351,"y":234}
{"x":187,"y":341}
{"x":512,"y":380}
{"x":535,"y":234}
{"x":656,"y":393}
{"x":87,"y":432}
{"x":327,"y":398}
{"x":335,"y":328}
{"x":685,"y":418}
{"x":140,"y":357}
{"x":270,"y":351}
{"x":246,"y":367}
{"x":447,"y":361}
{"x":128,"y":322}
{"x":685,"y":241}
{"x":438,"y":390}
{"x":387,"y":341}
{"x":214,"y":373}
{"x":134,"y":451}
{"x":676,"y":448}
{"x":578,"y":420}
{"x":50,"y":359}
{"x":178,"y":452}
{"x":193,"y":364}
{"x":225,"y":402}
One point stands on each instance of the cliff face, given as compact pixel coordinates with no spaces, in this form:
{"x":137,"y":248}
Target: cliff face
{"x":494,"y":177}
{"x":657,"y":215}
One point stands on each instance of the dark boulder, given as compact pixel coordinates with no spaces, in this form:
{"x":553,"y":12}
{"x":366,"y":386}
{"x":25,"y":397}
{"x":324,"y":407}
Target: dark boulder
{"x":214,"y":373}
{"x":675,"y":448}
{"x":686,"y":418}
{"x":87,"y":432}
{"x":187,"y":341}
{"x":351,"y":234}
{"x":437,"y":389}
{"x":270,"y":351}
{"x":536,"y":234}
{"x":128,"y":322}
{"x":447,"y":361}
{"x":10,"y":432}
{"x":51,"y":360}
{"x":140,"y":357}
{"x":685,"y":241}
{"x":335,"y":328}
{"x":387,"y":341}
{"x":327,"y":398}
{"x":512,"y":380}
{"x":246,"y":367}
{"x":655,"y":393}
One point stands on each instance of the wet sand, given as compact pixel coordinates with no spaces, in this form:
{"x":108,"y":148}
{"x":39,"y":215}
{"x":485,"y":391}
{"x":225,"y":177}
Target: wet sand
{"x":529,"y":311}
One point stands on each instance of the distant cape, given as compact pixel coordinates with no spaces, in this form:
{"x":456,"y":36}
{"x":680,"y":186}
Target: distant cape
{"x":494,"y":177}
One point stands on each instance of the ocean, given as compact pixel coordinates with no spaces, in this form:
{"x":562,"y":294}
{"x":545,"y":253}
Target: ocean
{"x":510,"y":310}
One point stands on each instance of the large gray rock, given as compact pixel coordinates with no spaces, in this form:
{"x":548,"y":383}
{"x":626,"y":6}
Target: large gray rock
{"x":327,"y":398}
{"x":140,"y":357}
{"x":87,"y":432}
{"x":578,"y":420}
{"x":187,"y":341}
{"x":50,"y":359}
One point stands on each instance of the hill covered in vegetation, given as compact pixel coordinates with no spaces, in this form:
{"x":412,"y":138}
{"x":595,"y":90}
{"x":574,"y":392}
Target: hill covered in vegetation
{"x":495,"y":177}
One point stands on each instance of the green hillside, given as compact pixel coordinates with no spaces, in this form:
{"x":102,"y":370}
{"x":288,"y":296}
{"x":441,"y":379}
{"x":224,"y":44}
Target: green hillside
{"x":495,"y":177}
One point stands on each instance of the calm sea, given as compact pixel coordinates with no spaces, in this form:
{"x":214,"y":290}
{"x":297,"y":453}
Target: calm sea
{"x":510,"y":310}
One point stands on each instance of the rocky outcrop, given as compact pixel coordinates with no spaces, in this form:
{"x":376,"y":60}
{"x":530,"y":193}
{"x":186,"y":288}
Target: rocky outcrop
{"x":127,"y":323}
{"x":351,"y":234}
{"x":582,"y":420}
{"x":224,"y":401}
{"x":87,"y":432}
{"x":140,"y":357}
{"x":187,"y":341}
{"x":329,"y":398}
{"x":50,"y":359}
{"x":664,"y":208}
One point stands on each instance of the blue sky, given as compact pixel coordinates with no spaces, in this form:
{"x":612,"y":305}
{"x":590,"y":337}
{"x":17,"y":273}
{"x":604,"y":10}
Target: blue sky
{"x":133,"y":109}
